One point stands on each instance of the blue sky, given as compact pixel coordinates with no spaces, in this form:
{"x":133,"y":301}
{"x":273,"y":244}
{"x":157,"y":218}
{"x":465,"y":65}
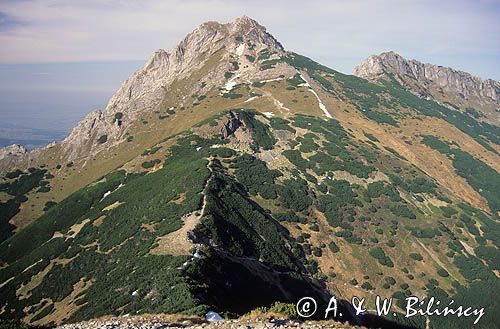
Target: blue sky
{"x":93,"y":45}
{"x":458,"y":33}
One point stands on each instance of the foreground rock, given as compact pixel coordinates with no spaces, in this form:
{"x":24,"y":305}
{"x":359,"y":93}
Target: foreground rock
{"x":169,"y":321}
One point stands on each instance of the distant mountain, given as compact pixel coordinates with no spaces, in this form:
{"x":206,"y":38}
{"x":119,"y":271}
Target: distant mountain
{"x":457,"y":89}
{"x":229,"y":173}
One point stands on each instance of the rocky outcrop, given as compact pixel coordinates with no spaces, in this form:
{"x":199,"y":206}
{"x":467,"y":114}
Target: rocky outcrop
{"x":147,"y":88}
{"x":223,"y":127}
{"x":253,"y":321}
{"x":450,"y":80}
{"x":230,"y":125}
{"x":13,"y":151}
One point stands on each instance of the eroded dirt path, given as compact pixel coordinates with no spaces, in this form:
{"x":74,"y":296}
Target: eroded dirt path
{"x":436,"y":259}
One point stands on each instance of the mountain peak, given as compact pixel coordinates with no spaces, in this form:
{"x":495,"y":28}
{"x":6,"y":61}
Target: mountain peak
{"x":383,"y":63}
{"x":450,"y":80}
{"x":250,"y":30}
{"x":246,"y":21}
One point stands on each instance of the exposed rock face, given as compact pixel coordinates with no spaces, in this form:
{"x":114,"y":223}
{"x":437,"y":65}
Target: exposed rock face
{"x":230,"y":126}
{"x":13,"y":151}
{"x":146,"y":88}
{"x":225,"y":126}
{"x":449,"y":79}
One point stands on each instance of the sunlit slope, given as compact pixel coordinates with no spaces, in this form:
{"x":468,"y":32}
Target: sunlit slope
{"x":295,"y":206}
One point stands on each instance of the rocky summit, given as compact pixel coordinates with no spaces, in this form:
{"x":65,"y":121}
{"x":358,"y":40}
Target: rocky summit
{"x":447,"y":78}
{"x":434,"y":81}
{"x":232,"y":175}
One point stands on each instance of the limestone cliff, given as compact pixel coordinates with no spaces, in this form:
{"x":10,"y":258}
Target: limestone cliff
{"x":465,"y":84}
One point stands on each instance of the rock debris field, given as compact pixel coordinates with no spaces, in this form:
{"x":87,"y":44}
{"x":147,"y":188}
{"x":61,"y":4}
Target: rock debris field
{"x":158,"y":321}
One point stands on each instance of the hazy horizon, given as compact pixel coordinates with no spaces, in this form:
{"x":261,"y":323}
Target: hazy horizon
{"x":43,"y":102}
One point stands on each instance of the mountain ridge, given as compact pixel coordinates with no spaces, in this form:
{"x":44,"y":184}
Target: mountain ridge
{"x":290,"y":176}
{"x":454,"y":80}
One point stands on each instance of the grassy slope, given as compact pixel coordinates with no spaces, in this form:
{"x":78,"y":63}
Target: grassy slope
{"x":397,"y":218}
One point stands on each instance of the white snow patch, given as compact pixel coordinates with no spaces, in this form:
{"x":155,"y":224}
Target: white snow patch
{"x":240,"y":49}
{"x":271,"y":80}
{"x":268,"y":114}
{"x":197,"y":254}
{"x":230,"y":84}
{"x":305,"y":84}
{"x":109,"y":192}
{"x":321,"y":105}
{"x":251,"y":99}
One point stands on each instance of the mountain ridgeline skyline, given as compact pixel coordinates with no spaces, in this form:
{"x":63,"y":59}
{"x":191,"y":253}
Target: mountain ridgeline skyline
{"x":231,"y":169}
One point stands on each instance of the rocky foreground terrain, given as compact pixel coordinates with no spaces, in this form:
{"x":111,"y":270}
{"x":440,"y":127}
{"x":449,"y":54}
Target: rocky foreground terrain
{"x":165,"y":321}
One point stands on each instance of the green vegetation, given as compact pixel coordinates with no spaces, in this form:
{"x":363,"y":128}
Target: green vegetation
{"x":150,"y":164}
{"x":338,"y":204}
{"x":102,"y":139}
{"x":416,"y":185}
{"x":118,"y":116}
{"x":48,"y":205}
{"x":20,"y":185}
{"x":416,"y":256}
{"x":262,"y":136}
{"x":333,"y":247}
{"x":151,"y":151}
{"x":254,"y":175}
{"x":264,"y":54}
{"x":295,"y":157}
{"x":402,"y":210}
{"x":258,"y":84}
{"x":232,"y":95}
{"x":484,"y":179}
{"x":145,"y":200}
{"x":269,"y":64}
{"x":296,"y":80}
{"x":281,"y":124}
{"x":246,"y":232}
{"x":293,"y":194}
{"x":379,"y":254}
{"x":250,"y":58}
{"x":443,"y":273}
{"x":377,"y":189}
{"x":14,"y":174}
{"x":371,"y":137}
{"x":284,"y":309}
{"x":253,"y":215}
